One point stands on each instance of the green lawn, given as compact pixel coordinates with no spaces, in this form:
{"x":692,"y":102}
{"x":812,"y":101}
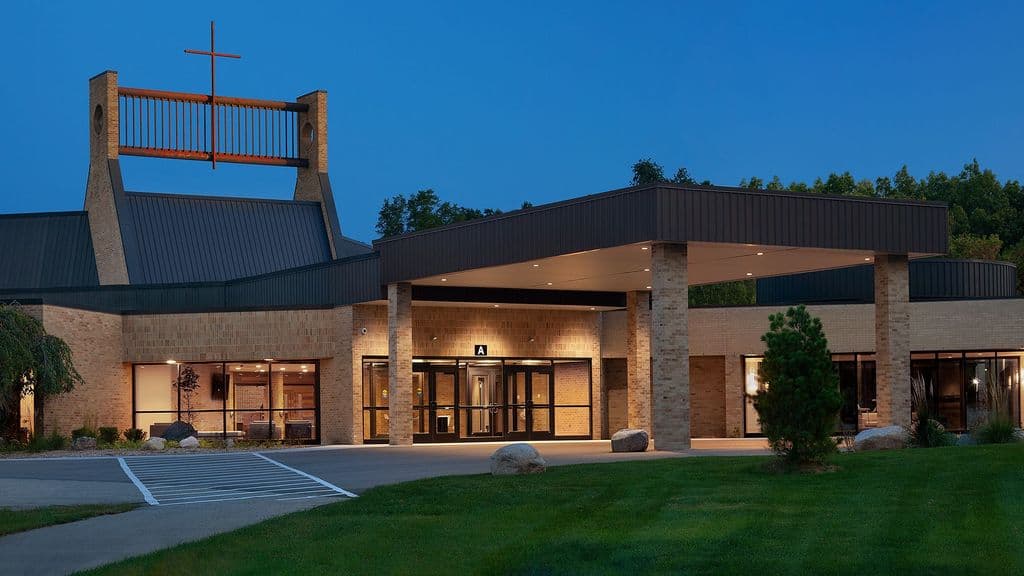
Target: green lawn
{"x":12,"y":521}
{"x":935,"y":511}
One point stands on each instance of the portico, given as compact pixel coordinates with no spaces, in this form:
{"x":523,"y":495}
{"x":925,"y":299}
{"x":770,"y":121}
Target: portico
{"x":646,"y":247}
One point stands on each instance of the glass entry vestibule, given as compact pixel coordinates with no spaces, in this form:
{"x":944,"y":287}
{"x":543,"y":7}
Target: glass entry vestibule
{"x":467,"y":399}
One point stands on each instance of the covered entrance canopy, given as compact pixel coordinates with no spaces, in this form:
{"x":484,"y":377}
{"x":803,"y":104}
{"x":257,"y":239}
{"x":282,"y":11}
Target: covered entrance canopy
{"x":654,"y":242}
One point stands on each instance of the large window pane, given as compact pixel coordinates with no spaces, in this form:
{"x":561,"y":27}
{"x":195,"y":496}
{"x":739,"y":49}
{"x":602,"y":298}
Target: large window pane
{"x":751,"y":386}
{"x":249,"y":400}
{"x":294,"y":389}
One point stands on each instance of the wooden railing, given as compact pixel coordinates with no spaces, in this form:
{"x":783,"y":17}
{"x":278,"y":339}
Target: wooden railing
{"x":187,"y":126}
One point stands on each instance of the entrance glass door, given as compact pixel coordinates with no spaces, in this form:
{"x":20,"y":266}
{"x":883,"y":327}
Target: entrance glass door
{"x":433,"y":404}
{"x":528,"y":405}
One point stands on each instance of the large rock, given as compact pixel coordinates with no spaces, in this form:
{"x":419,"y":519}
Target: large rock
{"x":887,"y":438}
{"x":155,"y":443}
{"x":630,"y":440}
{"x":179,"y":431}
{"x":516,"y":459}
{"x":1018,"y":434}
{"x":83,"y":443}
{"x":190,"y":442}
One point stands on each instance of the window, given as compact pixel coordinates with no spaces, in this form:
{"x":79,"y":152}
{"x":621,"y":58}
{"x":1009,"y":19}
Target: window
{"x":241,"y":400}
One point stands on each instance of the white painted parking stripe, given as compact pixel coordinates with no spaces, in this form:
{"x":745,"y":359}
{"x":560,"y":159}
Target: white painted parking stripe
{"x":135,"y":480}
{"x":310,"y":476}
{"x":195,"y":479}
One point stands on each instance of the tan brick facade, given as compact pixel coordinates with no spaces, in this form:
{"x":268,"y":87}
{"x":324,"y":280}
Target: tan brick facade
{"x":892,"y":339}
{"x":638,"y":359}
{"x":99,"y":189}
{"x":400,"y":351}
{"x":707,"y":396}
{"x":670,"y":374}
{"x":104,"y":398}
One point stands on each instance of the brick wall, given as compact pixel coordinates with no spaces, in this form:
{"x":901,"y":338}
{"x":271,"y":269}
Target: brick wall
{"x":104,"y":399}
{"x":707,"y":396}
{"x":615,"y":375}
{"x":442,"y":331}
{"x":734,"y":332}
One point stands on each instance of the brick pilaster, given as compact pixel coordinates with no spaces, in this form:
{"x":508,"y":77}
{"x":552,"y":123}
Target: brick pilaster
{"x":892,"y":339}
{"x":311,"y":182}
{"x":638,"y":360}
{"x":670,"y":349}
{"x":400,"y":363}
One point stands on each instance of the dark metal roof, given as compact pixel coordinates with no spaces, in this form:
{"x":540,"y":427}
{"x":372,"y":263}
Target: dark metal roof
{"x":337,"y":283}
{"x":930,"y":279}
{"x":669,"y":213}
{"x":176,"y":238}
{"x":46,"y":250}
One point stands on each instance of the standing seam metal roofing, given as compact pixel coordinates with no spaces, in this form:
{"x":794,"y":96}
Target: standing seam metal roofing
{"x":178,"y":239}
{"x":46,"y":250}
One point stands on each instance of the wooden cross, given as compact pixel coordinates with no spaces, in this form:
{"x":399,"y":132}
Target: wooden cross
{"x":213,"y":54}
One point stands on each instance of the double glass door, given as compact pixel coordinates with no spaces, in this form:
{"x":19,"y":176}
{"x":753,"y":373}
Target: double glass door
{"x":433,"y":404}
{"x":529,"y":409}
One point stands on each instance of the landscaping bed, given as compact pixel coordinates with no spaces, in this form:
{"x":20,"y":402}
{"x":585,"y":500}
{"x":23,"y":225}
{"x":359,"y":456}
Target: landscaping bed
{"x":955,"y":510}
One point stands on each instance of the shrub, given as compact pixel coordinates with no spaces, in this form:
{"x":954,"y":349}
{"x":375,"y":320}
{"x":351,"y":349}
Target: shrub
{"x":134,"y":435}
{"x":800,"y":403}
{"x":925,"y":432}
{"x":995,"y":427}
{"x":108,"y":434}
{"x":55,"y":441}
{"x":995,"y":431}
{"x":84,"y":432}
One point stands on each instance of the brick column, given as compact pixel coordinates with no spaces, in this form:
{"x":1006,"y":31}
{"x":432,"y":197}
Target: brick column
{"x":638,"y":360}
{"x":311,"y":182}
{"x":670,"y":348}
{"x":892,"y":339}
{"x":400,"y":363}
{"x":104,"y":189}
{"x":735,"y":381}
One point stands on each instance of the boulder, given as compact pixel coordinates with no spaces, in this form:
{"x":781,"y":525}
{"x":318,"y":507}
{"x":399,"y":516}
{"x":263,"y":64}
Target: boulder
{"x":178,"y":431}
{"x":83,"y":443}
{"x":887,"y":438}
{"x":190,"y":442}
{"x":630,"y":440}
{"x":155,"y":443}
{"x":230,"y":443}
{"x":1018,"y":434}
{"x":517,"y":459}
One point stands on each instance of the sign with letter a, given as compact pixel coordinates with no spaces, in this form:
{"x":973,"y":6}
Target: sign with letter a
{"x":480,"y":349}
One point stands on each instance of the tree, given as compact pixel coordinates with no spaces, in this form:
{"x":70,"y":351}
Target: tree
{"x":800,"y":404}
{"x":975,"y":247}
{"x":187,"y":384}
{"x":31,"y":362}
{"x":736,"y":293}
{"x":775,"y":184}
{"x":683,"y":177}
{"x":647,"y":171}
{"x":754,"y":183}
{"x":422,"y":211}
{"x":391,"y":218}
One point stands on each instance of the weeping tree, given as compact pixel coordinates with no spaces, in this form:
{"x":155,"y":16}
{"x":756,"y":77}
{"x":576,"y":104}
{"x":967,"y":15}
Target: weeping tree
{"x":31,"y":362}
{"x":800,"y":404}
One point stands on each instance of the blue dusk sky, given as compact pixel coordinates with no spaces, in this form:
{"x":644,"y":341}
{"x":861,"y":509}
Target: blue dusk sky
{"x":496,"y":103}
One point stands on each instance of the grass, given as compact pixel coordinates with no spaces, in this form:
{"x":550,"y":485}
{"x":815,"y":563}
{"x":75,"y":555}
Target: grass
{"x":923,"y":511}
{"x":12,"y":521}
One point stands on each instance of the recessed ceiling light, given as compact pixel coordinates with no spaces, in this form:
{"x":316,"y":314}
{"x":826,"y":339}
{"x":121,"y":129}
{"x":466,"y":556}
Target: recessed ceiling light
{"x":303,"y":366}
{"x":536,"y":265}
{"x":496,"y":305}
{"x":282,"y":368}
{"x":549,"y":283}
{"x":750,"y":273}
{"x":444,"y":279}
{"x":304,"y":371}
{"x":760,"y":253}
{"x":648,"y":287}
{"x":268,"y":359}
{"x":868,"y":259}
{"x":647,"y":269}
{"x":643,"y":247}
{"x":172,"y":361}
{"x":592,"y":308}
